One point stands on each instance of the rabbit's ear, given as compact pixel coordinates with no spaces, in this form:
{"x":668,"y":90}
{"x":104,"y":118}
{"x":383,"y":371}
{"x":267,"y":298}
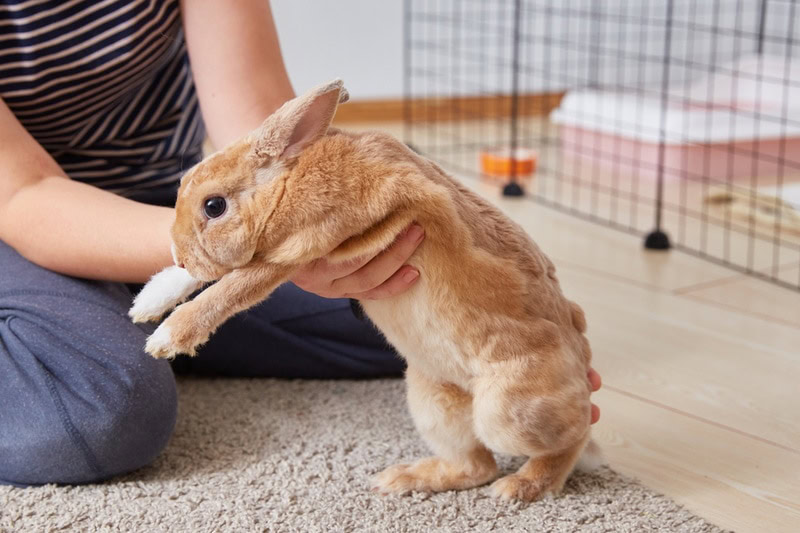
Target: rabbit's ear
{"x":299,"y":122}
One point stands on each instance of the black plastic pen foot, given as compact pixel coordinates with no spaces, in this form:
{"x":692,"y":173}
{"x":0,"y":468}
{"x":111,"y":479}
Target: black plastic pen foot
{"x":513,"y":189}
{"x":657,"y":240}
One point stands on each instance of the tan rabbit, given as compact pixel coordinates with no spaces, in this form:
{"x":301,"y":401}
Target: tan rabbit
{"x":497,"y":359}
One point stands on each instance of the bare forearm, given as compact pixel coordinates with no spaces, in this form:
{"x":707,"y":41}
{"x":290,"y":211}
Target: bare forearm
{"x":236,"y":63}
{"x":82,"y":231}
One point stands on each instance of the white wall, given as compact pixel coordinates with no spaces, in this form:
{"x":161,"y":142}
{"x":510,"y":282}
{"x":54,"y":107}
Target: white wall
{"x":360,"y":41}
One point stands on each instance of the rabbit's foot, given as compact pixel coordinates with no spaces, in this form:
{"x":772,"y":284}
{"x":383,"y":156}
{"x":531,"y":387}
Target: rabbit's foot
{"x":433,"y":475}
{"x":177,"y":334}
{"x":517,"y":487}
{"x":539,"y":476}
{"x":164,"y":291}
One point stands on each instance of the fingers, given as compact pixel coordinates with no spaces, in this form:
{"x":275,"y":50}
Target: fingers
{"x":385,"y":268}
{"x":396,"y":284}
{"x":366,"y":277}
{"x":594,"y":383}
{"x":594,"y":379}
{"x":318,"y":275}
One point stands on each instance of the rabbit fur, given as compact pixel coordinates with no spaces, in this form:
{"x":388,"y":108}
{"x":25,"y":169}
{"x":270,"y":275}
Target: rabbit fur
{"x":497,"y":357}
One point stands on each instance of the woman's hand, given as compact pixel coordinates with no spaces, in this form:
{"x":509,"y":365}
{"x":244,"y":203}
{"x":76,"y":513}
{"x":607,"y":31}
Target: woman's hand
{"x":594,"y":383}
{"x":366,"y":278}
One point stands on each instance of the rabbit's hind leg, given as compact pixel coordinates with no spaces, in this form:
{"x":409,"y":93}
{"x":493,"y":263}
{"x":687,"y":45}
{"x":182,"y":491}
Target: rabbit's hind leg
{"x":514,"y":414}
{"x":442,"y":413}
{"x":539,"y":475}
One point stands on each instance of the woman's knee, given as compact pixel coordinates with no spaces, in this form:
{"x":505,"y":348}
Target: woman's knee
{"x":81,"y":400}
{"x":86,"y":436}
{"x":136,"y":425}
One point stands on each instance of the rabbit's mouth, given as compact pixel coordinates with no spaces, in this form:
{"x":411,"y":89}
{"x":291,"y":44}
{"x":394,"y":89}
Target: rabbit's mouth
{"x":203,"y":273}
{"x":205,"y":269}
{"x":199,"y":264}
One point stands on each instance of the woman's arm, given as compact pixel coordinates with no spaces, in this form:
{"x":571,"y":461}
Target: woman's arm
{"x":236,"y":64}
{"x":83,"y":231}
{"x":80,"y":230}
{"x":71,"y":227}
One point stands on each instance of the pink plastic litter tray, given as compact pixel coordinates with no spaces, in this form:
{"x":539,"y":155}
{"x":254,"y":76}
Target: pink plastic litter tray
{"x":741,"y":122}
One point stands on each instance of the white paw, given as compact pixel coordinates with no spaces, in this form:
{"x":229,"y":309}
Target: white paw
{"x":159,"y":344}
{"x":164,"y":291}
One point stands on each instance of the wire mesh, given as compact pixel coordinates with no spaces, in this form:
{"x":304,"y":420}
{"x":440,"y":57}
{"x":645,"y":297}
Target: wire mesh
{"x":675,"y":115}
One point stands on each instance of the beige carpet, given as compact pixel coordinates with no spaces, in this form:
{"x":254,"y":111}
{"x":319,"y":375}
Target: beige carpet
{"x":264,"y":455}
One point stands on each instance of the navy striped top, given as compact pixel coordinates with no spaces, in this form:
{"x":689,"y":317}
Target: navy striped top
{"x":104,"y":86}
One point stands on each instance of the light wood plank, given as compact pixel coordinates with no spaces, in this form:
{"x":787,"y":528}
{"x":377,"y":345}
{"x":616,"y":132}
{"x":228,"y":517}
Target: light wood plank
{"x":754,"y":296}
{"x":713,"y":363}
{"x":571,"y":240}
{"x":732,"y":480}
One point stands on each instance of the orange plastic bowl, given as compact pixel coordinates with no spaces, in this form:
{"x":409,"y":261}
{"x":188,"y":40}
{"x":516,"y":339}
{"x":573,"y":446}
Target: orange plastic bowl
{"x":498,"y":163}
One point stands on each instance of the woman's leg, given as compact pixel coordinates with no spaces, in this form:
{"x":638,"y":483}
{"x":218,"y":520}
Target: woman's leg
{"x":295,"y":334}
{"x":81,"y":401}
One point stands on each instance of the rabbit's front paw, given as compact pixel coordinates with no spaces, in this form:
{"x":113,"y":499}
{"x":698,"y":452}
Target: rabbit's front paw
{"x":160,"y":345}
{"x":177,"y":334}
{"x":164,"y":291}
{"x":145,"y":310}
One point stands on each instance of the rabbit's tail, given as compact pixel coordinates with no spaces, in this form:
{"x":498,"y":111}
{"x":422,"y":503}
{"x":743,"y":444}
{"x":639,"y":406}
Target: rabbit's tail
{"x":591,"y":458}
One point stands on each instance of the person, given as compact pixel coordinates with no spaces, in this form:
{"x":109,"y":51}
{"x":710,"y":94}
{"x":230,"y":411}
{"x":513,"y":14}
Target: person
{"x":103,"y":106}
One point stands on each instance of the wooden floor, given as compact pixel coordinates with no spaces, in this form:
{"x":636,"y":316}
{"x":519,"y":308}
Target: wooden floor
{"x":701,"y":369}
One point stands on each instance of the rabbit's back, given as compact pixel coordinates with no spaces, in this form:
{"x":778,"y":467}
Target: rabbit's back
{"x":486,"y":290}
{"x":487,"y":227}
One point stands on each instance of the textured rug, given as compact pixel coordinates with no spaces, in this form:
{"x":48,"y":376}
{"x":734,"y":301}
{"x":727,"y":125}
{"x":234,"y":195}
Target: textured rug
{"x":265,"y":455}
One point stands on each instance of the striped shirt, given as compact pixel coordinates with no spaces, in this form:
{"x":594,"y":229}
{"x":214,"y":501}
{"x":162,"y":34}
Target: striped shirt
{"x":104,"y":86}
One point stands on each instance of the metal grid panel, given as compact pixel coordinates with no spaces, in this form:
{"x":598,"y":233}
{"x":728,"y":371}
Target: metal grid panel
{"x":681,"y":116}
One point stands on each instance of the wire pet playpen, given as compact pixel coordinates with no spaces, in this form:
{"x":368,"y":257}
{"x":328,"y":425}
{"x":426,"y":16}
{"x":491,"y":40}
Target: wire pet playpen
{"x":678,"y":120}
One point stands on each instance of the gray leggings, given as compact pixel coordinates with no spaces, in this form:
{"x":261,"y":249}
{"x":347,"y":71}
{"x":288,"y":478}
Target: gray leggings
{"x":80,"y":401}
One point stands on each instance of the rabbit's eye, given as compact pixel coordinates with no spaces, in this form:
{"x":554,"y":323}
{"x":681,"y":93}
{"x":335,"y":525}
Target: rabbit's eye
{"x":214,"y":207}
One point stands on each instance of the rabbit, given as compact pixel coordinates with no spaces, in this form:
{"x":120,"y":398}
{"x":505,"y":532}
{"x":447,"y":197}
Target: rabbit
{"x":496,"y":355}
